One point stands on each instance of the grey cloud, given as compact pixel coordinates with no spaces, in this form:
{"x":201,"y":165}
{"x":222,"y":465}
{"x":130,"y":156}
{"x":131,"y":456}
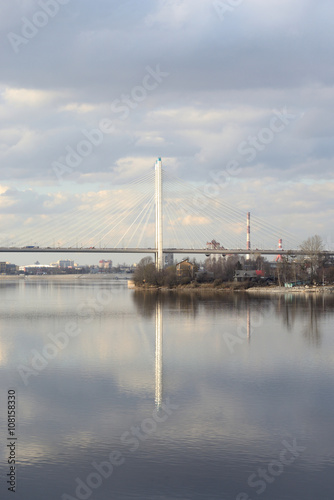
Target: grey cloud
{"x":263,"y":56}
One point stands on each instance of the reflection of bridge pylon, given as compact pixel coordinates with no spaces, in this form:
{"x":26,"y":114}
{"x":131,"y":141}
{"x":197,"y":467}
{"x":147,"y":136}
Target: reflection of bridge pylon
{"x":158,"y":353}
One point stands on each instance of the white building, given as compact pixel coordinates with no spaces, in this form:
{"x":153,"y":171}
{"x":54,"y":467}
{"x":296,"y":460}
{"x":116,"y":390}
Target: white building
{"x":105,"y":264}
{"x":65,"y":264}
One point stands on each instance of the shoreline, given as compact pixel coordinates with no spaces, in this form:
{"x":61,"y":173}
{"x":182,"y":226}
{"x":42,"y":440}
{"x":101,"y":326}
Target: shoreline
{"x":53,"y":277}
{"x":204,"y":287}
{"x":297,"y":289}
{"x":329,"y":289}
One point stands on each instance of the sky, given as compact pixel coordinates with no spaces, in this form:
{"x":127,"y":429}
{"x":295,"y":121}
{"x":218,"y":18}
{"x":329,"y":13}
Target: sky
{"x":236,"y":96}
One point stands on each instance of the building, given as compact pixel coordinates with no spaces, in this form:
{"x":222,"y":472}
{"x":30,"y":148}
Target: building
{"x":185,"y":269}
{"x":8,"y":268}
{"x":247,"y":275}
{"x":169,"y":259}
{"x":105,"y":265}
{"x":214,"y":245}
{"x":11,"y":268}
{"x":65,"y":264}
{"x":35,"y":268}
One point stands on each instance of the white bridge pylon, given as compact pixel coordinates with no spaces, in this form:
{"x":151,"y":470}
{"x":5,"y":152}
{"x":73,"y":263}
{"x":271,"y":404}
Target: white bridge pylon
{"x":158,"y":216}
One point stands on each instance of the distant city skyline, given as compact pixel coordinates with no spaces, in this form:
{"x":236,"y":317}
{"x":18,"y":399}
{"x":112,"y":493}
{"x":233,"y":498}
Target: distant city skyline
{"x":80,"y":259}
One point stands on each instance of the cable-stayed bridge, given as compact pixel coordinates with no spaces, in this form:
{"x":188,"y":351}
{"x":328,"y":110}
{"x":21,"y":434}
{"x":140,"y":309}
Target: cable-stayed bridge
{"x":157,"y":213}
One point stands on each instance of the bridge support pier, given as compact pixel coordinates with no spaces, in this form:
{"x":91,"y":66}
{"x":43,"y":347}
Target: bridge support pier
{"x":158,"y":215}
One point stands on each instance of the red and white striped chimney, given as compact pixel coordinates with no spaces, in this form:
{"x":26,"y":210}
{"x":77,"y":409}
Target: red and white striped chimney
{"x":280,"y":246}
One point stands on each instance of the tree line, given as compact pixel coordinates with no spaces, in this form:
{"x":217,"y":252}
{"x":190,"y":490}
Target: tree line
{"x":314,"y":267}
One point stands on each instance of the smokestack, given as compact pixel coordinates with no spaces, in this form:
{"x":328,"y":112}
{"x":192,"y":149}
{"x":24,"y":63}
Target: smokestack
{"x":248,"y":234}
{"x":280,"y":246}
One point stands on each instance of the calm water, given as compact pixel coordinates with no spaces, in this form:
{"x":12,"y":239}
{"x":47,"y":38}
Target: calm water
{"x":131,"y":395}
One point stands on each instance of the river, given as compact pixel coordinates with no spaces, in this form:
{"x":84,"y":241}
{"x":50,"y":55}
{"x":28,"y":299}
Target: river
{"x":143,"y":395}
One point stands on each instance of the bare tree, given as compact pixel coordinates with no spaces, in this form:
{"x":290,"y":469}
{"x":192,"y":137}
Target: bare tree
{"x":144,"y":271}
{"x":313,"y":258}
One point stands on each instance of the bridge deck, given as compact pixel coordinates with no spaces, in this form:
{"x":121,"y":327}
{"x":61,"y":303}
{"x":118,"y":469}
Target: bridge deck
{"x":199,"y":251}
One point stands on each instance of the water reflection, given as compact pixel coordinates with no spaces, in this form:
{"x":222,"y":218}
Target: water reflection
{"x":290,"y":308}
{"x":309,"y":309}
{"x":158,"y":353}
{"x":234,"y":408}
{"x":311,"y":330}
{"x":248,"y":323}
{"x":183,"y":302}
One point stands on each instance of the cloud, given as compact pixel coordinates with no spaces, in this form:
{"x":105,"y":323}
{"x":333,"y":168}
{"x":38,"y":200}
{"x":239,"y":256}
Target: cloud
{"x":190,"y":220}
{"x":225,"y":80}
{"x":78,"y":108}
{"x":27,"y":97}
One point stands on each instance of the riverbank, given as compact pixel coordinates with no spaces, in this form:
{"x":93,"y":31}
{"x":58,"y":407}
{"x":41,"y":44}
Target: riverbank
{"x":62,"y":277}
{"x":238,"y":287}
{"x":295,"y":289}
{"x":191,"y":287}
